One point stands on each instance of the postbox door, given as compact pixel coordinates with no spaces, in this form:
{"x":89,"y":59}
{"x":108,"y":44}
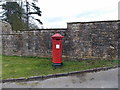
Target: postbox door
{"x":57,"y":51}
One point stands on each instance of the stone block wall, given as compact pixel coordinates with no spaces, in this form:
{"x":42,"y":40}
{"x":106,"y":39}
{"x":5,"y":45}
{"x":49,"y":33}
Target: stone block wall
{"x":83,"y":40}
{"x":93,"y":39}
{"x":29,"y":43}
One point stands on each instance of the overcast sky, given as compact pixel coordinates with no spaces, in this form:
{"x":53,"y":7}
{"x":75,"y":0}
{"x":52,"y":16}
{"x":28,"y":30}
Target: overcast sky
{"x":56,"y":13}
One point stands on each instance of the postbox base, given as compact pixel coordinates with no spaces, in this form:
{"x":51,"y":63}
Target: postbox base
{"x":57,"y":64}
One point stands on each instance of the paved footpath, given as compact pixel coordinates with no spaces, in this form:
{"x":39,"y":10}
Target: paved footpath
{"x":101,"y":79}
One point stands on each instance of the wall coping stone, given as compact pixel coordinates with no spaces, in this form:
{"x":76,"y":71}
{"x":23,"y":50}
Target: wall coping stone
{"x":50,"y":29}
{"x":93,"y":22}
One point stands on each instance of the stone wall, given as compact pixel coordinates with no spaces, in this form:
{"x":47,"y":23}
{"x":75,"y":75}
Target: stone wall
{"x":93,"y":39}
{"x":30,"y":43}
{"x":83,"y":40}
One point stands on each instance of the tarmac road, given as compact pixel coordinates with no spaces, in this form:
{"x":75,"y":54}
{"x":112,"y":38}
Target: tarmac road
{"x":101,"y":79}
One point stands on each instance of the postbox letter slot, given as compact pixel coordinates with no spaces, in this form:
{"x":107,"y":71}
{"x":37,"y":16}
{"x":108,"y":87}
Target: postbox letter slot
{"x":57,"y":39}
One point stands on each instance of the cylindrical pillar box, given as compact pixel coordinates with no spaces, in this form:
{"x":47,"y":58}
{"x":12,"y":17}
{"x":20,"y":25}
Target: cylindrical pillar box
{"x":57,"y":49}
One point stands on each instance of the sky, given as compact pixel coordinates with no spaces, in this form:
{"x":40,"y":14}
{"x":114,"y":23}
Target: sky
{"x":57,"y":13}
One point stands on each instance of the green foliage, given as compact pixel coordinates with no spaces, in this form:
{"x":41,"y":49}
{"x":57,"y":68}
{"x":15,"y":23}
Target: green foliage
{"x":18,"y":17}
{"x":36,"y":11}
{"x":14,"y":15}
{"x":16,"y":66}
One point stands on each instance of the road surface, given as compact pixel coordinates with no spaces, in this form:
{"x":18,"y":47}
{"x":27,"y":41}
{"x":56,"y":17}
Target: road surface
{"x":101,"y":79}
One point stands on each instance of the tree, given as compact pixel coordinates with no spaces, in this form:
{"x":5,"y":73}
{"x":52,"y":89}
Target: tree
{"x":18,"y":16}
{"x":35,"y":11}
{"x":14,"y":15}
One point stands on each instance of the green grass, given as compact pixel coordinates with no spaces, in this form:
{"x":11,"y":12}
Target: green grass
{"x":16,"y":66}
{"x":0,"y":66}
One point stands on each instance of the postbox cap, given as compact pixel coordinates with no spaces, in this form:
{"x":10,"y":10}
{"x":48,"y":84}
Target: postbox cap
{"x":57,"y":35}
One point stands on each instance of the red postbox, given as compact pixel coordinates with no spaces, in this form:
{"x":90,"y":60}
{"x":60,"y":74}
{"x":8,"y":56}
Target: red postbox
{"x":57,"y":49}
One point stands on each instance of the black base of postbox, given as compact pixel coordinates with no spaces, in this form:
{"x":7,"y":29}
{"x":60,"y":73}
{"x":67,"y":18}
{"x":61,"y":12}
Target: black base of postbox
{"x":57,"y":64}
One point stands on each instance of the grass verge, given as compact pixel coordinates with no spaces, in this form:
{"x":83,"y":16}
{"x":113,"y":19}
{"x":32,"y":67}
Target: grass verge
{"x":17,"y":66}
